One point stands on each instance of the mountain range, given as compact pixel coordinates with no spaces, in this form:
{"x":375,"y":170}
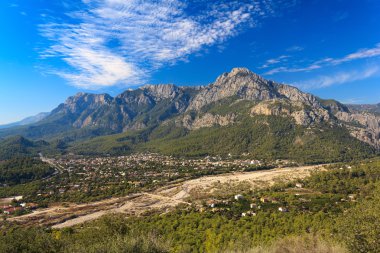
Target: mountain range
{"x":239,"y":113}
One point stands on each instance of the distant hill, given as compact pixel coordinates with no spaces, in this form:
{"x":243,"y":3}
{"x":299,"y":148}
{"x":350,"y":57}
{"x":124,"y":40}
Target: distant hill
{"x":18,"y":146}
{"x":27,"y":121}
{"x":240,"y":112}
{"x":375,"y":109}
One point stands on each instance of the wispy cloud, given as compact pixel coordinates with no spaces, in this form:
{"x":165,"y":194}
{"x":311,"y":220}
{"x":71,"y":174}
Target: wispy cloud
{"x":340,"y":16}
{"x":360,"y":54}
{"x":292,"y":70}
{"x":339,"y":78}
{"x":294,"y":49}
{"x":120,"y":42}
{"x":274,"y":61}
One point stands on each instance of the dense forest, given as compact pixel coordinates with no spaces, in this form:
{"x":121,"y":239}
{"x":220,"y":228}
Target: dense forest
{"x":23,"y":169}
{"x":329,"y":222}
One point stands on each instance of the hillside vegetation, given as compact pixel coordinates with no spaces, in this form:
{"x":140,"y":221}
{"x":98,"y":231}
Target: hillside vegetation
{"x":263,"y":137}
{"x":22,"y":170}
{"x":351,"y":226}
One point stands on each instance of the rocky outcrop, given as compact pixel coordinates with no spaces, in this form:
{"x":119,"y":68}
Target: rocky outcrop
{"x":363,"y":126}
{"x":161,"y":91}
{"x":84,"y":101}
{"x":207,"y":120}
{"x":295,"y":95}
{"x":303,"y":115}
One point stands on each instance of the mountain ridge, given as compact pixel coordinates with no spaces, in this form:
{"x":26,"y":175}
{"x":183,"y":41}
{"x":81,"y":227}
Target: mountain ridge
{"x":155,"y":111}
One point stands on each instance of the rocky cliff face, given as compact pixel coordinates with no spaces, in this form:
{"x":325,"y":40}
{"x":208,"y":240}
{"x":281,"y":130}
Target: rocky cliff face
{"x":207,"y":120}
{"x":363,"y":126}
{"x":161,"y":91}
{"x":84,"y":101}
{"x":302,"y":114}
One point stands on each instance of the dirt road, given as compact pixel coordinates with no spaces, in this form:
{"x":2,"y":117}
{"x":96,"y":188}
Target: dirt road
{"x":257,"y":179}
{"x":162,"y":199}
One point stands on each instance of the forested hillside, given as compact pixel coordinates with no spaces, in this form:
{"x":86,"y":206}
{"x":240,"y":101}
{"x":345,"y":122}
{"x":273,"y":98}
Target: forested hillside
{"x":23,"y":169}
{"x":263,"y":137}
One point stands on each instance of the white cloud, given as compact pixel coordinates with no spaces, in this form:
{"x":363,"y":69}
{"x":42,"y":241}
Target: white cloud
{"x":294,"y":49}
{"x":360,"y":54}
{"x":121,"y":42}
{"x":292,"y":70}
{"x":274,"y":61}
{"x":339,"y":78}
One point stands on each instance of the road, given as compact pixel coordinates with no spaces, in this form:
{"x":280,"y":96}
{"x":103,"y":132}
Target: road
{"x":59,"y":169}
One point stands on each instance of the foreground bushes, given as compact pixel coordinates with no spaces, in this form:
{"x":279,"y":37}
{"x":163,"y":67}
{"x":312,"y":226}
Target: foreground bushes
{"x":37,"y":240}
{"x":40,"y":241}
{"x":300,"y":244}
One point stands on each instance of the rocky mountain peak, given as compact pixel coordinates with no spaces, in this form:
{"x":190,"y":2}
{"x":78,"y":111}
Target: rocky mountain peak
{"x":239,"y":75}
{"x":88,"y":97}
{"x":161,"y":91}
{"x":240,"y":82}
{"x":83,"y":101}
{"x":241,"y":71}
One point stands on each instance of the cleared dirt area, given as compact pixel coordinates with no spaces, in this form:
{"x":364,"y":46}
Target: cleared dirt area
{"x":257,"y":179}
{"x":5,"y":201}
{"x":162,"y":199}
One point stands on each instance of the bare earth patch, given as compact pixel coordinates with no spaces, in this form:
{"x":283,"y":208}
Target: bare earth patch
{"x":163,"y":199}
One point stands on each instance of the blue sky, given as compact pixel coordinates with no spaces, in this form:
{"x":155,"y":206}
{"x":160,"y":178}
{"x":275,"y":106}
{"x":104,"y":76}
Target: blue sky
{"x":50,"y":50}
